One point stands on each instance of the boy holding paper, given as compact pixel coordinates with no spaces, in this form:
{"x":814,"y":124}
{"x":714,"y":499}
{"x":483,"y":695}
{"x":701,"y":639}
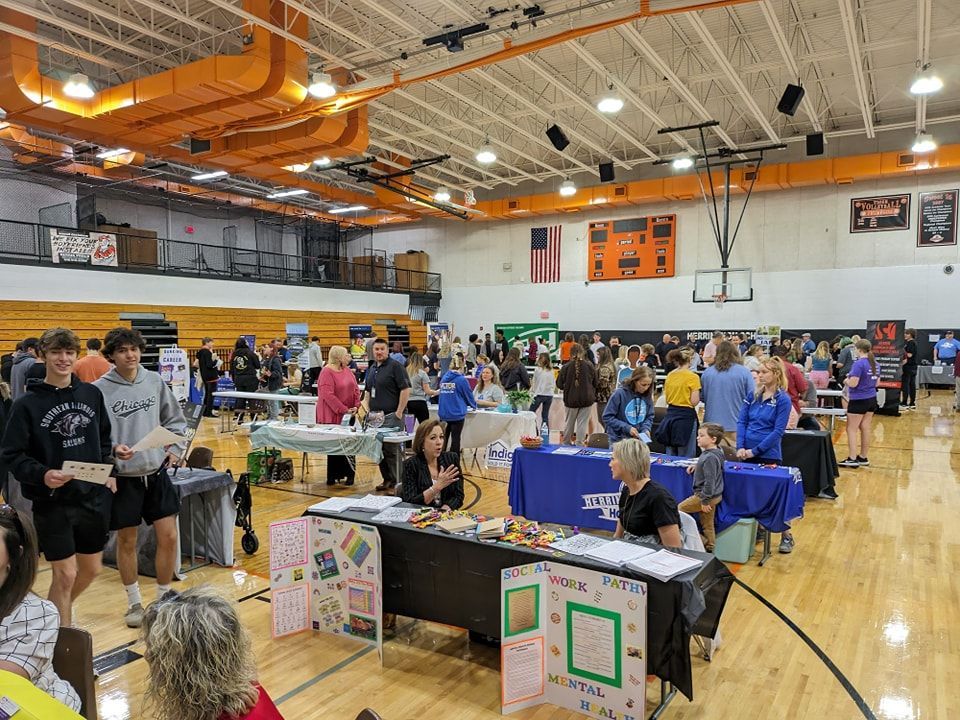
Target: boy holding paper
{"x":59,"y":421}
{"x":140,"y":404}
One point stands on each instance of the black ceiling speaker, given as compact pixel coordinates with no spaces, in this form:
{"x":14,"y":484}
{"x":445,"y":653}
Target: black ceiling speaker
{"x":557,"y":137}
{"x":815,"y":144}
{"x":199,"y":146}
{"x":606,"y":172}
{"x":791,"y":100}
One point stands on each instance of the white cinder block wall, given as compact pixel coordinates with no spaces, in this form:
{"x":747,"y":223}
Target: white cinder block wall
{"x":809,"y":270}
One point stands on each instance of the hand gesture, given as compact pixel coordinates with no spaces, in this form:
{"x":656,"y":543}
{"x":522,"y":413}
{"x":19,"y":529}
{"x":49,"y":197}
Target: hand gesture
{"x":448,"y":476}
{"x":122,"y":452}
{"x":56,"y":478}
{"x":741,"y":454}
{"x":691,"y":469}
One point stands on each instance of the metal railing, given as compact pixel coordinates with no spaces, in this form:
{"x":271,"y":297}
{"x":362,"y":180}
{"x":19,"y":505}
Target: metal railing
{"x":29,"y":243}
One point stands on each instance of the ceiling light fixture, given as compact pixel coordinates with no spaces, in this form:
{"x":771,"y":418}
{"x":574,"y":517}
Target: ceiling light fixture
{"x":682,"y":163}
{"x":567,"y":188}
{"x":321,"y":85}
{"x":442,"y":195}
{"x":610,"y":103}
{"x":78,"y":86}
{"x":297,"y":167}
{"x":926,"y":82}
{"x":107,"y":154}
{"x":287,"y":193}
{"x":486,"y":154}
{"x":924,"y":143}
{"x":351,"y":208}
{"x":210,"y":175}
{"x":322,"y":161}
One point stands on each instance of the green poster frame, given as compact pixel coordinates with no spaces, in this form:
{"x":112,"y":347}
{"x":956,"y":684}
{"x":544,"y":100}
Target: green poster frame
{"x":506,"y":613}
{"x":617,"y":679}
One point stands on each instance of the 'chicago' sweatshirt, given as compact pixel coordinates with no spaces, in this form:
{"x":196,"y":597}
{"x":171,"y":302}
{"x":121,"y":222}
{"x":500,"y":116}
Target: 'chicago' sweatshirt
{"x":135,"y":409}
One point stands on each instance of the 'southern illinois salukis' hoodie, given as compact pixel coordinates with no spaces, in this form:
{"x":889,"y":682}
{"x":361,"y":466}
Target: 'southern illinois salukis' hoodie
{"x":136,"y":408}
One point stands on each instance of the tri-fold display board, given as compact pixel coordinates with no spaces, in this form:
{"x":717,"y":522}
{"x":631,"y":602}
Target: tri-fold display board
{"x":641,"y":247}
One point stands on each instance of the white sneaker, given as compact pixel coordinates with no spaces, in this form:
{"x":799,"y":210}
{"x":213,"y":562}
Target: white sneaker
{"x":134,"y":616}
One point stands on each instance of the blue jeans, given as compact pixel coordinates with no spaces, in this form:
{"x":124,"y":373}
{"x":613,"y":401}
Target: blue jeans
{"x":687,"y":451}
{"x":543,"y":401}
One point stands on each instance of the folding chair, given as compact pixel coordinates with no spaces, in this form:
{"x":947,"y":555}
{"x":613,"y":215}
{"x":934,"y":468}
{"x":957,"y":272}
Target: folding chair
{"x":693,"y":541}
{"x":73,"y":662}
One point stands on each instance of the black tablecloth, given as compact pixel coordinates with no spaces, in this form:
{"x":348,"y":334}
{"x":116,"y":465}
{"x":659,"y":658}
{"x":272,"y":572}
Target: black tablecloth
{"x":455,"y":580}
{"x":812,"y":452}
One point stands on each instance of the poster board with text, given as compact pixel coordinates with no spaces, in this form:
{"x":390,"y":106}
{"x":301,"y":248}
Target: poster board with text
{"x":574,"y":638}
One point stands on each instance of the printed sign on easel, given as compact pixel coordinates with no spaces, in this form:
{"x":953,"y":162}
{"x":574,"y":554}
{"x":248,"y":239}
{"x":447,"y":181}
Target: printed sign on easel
{"x":175,"y":371}
{"x":574,"y":638}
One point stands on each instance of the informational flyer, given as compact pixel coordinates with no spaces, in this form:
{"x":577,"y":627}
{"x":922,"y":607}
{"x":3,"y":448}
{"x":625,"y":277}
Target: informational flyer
{"x":574,"y":638}
{"x":338,"y":563}
{"x":175,"y":371}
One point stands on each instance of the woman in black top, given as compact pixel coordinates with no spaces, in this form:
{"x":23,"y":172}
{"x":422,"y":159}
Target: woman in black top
{"x":432,"y":477}
{"x":513,"y":373}
{"x":244,"y":365}
{"x":648,"y":512}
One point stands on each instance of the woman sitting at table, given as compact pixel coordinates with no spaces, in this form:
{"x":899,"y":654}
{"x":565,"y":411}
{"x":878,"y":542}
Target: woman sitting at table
{"x":648,"y":512}
{"x":763,"y":420}
{"x":488,"y":392}
{"x":337,"y":395}
{"x":678,"y":429}
{"x":630,"y":410}
{"x":431,"y":476}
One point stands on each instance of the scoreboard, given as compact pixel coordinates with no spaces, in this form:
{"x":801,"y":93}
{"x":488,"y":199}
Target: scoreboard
{"x":642,"y":247}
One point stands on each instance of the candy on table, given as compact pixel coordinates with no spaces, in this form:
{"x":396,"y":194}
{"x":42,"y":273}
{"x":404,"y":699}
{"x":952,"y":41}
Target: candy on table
{"x":431,"y":516}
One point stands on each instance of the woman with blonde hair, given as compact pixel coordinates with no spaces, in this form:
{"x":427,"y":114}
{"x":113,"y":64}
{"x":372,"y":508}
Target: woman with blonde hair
{"x":420,"y":388}
{"x":201,"y":661}
{"x":337,"y":395}
{"x":648,"y":512}
{"x":763,"y":420}
{"x":819,"y":364}
{"x":543,"y":388}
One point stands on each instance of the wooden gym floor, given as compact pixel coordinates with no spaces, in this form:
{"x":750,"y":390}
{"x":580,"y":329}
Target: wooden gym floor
{"x":873,"y":582}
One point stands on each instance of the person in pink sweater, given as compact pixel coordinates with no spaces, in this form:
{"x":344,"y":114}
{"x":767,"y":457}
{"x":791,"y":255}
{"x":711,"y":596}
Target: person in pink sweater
{"x":337,"y":395}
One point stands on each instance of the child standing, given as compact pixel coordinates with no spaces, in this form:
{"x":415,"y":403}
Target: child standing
{"x":707,"y":481}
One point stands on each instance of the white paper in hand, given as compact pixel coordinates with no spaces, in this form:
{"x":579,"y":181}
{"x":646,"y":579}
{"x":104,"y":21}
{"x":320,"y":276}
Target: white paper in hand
{"x":91,"y":472}
{"x":157,"y":438}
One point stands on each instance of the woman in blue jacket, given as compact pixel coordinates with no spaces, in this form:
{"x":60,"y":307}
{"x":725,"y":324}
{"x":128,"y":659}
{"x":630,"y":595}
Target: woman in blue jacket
{"x":455,"y":397}
{"x":629,"y":412}
{"x":763,"y":420}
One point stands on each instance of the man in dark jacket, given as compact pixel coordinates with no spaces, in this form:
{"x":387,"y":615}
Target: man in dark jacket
{"x":64,"y":420}
{"x":23,"y":364}
{"x":273,"y":375}
{"x":209,"y":374}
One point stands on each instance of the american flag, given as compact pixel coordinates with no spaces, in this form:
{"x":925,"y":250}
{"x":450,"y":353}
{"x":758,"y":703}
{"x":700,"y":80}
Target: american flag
{"x":545,"y":254}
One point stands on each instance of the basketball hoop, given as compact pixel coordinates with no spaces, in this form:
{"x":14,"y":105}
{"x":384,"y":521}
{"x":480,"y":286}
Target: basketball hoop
{"x":718,"y":300}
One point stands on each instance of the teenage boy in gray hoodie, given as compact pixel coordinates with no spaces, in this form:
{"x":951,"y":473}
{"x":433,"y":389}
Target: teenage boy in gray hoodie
{"x":137,"y":401}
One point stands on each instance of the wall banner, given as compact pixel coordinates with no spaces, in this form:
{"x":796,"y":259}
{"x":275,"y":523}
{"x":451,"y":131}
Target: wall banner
{"x":85,"y":248}
{"x":937,"y":225}
{"x":874,"y":214}
{"x":522,"y":332}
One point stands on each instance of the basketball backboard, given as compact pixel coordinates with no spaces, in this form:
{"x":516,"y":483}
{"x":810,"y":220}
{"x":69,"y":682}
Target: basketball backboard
{"x":734,"y":284}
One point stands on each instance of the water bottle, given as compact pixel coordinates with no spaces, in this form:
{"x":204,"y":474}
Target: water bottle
{"x":545,"y":434}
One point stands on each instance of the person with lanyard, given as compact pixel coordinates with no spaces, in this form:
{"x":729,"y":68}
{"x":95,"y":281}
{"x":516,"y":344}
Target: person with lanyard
{"x":945,"y":351}
{"x":138,"y":401}
{"x":432,"y":476}
{"x":387,"y":390}
{"x":762,"y":423}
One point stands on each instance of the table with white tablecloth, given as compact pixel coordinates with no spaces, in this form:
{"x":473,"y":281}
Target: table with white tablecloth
{"x":485,"y":427}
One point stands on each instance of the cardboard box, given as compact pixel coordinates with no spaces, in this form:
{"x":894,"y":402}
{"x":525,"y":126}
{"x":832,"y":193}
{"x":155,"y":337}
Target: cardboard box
{"x":410,"y":268}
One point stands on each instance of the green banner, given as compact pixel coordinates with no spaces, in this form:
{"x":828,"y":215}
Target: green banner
{"x":520,"y":333}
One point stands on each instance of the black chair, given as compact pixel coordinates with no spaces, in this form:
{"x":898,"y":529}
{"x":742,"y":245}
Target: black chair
{"x":368,"y":714}
{"x":598,"y":440}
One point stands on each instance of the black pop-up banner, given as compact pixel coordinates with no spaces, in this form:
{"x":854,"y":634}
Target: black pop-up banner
{"x":887,"y":339}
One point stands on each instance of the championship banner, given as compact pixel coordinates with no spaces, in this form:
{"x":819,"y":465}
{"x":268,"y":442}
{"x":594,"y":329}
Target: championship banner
{"x":522,"y":332}
{"x":874,"y":214}
{"x":887,"y":339}
{"x":938,"y":219}
{"x":175,"y":371}
{"x":574,"y":638}
{"x":78,"y":246}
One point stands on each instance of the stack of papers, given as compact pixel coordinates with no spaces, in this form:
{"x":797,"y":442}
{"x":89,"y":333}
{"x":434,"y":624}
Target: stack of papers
{"x":566,"y":450}
{"x":374,"y":503}
{"x":333,"y":505}
{"x":664,"y":565}
{"x":579,"y":544}
{"x":457,"y":524}
{"x":394,"y":514}
{"x":491,"y":529}
{"x":618,"y":552}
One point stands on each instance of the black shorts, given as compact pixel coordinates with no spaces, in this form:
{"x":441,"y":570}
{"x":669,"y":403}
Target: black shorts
{"x":65,"y":530}
{"x":862,"y":407}
{"x":148,"y":499}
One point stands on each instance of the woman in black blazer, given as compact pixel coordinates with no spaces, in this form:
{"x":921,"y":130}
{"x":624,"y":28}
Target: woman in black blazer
{"x":432,"y":477}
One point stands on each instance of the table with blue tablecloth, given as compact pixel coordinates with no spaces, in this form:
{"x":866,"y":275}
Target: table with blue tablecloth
{"x":552,"y":486}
